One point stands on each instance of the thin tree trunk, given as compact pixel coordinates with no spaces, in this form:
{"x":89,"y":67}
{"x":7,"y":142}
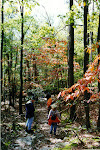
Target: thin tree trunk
{"x":86,"y":55}
{"x":86,"y":97}
{"x":91,"y":34}
{"x":14,"y":75}
{"x":35,"y":70}
{"x":9,"y":80}
{"x":2,"y":39}
{"x":86,"y":62}
{"x":70,"y":61}
{"x":98,"y":39}
{"x":29,"y":76}
{"x":21,"y":63}
{"x":4,"y":91}
{"x":71,"y":53}
{"x":12,"y":81}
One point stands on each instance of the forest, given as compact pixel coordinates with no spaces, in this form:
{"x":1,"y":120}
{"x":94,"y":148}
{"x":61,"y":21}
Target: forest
{"x":42,"y":55}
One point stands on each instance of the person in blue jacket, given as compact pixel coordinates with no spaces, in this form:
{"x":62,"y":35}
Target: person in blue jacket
{"x":30,"y":112}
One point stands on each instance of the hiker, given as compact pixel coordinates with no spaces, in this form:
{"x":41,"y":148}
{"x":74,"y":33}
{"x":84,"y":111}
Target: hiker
{"x":50,"y":101}
{"x":30,"y":112}
{"x":53,"y":118}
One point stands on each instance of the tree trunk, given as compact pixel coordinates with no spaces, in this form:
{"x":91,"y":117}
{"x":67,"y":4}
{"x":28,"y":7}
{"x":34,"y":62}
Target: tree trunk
{"x":12,"y":81}
{"x":9,"y":80}
{"x":35,"y":73}
{"x":21,"y":63}
{"x":35,"y":70}
{"x":2,"y":39}
{"x":86,"y":97}
{"x":15,"y":89}
{"x":86,"y":55}
{"x":86,"y":62}
{"x":70,"y":60}
{"x":29,"y":76}
{"x":98,"y":39}
{"x":4,"y":83}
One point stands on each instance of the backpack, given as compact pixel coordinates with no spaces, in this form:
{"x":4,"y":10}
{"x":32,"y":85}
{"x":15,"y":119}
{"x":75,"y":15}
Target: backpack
{"x":53,"y":117}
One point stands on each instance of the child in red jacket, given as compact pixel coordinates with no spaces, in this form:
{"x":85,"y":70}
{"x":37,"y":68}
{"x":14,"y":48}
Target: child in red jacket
{"x":53,"y":118}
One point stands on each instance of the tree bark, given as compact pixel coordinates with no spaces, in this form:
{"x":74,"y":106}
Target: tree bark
{"x":70,"y":60}
{"x":9,"y":80}
{"x":21,"y":64}
{"x":86,"y":62}
{"x":35,"y":70}
{"x":86,"y":55}
{"x":98,"y":39}
{"x":29,"y":76}
{"x":2,"y":39}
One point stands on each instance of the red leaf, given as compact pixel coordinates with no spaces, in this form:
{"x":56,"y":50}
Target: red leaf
{"x":63,"y":93}
{"x":71,"y":97}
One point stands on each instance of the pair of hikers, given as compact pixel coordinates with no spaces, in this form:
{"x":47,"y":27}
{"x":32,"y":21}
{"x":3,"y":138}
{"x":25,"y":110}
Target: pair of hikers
{"x":53,"y":116}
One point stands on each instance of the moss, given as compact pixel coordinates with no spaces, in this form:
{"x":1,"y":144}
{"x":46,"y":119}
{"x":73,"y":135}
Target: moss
{"x":7,"y":143}
{"x":69,"y":146}
{"x":97,"y":139}
{"x":74,"y":145}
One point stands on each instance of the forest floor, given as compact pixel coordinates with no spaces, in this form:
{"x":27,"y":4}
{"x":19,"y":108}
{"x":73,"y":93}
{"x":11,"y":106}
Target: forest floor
{"x":72,"y":136}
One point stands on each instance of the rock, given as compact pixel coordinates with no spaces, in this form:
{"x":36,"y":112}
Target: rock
{"x":39,"y":135}
{"x":45,"y":148}
{"x":34,"y":140}
{"x":65,"y":139}
{"x":26,"y":141}
{"x":62,"y":134}
{"x":61,"y":145}
{"x":42,"y":99}
{"x":47,"y":140}
{"x":17,"y":148}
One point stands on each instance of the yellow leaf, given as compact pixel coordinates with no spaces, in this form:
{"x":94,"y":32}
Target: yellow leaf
{"x":93,"y":49}
{"x":26,"y":13}
{"x":84,"y":4}
{"x":88,"y":50}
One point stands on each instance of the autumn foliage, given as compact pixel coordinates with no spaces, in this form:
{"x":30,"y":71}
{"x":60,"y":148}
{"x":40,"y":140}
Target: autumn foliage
{"x":85,"y":84}
{"x":50,"y":60}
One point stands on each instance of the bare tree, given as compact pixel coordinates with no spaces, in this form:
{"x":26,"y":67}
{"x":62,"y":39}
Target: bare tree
{"x":70,"y":59}
{"x":21,"y":62}
{"x":86,"y":62}
{"x":2,"y":39}
{"x":98,"y":39}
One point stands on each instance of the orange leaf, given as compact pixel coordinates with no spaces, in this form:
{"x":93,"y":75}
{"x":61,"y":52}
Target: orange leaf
{"x":71,"y":97}
{"x":68,"y":97}
{"x":76,"y":94}
{"x":63,"y":93}
{"x":86,"y":88}
{"x":70,"y":90}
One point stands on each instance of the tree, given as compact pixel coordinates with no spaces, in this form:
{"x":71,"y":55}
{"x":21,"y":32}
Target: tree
{"x":86,"y":61}
{"x":70,"y":59}
{"x":21,"y":61}
{"x":76,"y":92}
{"x":2,"y":40}
{"x":98,"y":40}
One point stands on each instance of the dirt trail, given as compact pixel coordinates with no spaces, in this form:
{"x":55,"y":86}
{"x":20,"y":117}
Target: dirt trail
{"x":18,"y":139}
{"x":14,"y":136}
{"x":41,"y":119}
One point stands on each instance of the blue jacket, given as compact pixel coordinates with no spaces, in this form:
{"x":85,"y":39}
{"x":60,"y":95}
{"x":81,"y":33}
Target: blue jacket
{"x":29,"y":109}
